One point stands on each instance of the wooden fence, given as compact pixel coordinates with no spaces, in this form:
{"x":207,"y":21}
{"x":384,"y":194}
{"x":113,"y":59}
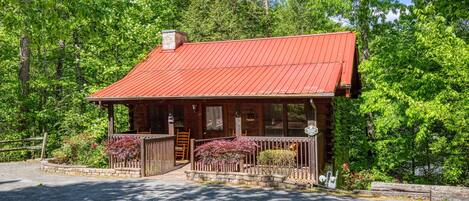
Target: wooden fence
{"x":26,"y":144}
{"x":156,"y":154}
{"x":304,"y":169}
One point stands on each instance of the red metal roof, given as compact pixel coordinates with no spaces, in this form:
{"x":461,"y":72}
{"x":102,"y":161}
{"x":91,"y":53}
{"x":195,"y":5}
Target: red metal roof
{"x":297,"y":66}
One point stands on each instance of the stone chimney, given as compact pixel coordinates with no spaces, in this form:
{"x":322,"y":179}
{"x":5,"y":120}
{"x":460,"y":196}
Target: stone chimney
{"x":172,"y":39}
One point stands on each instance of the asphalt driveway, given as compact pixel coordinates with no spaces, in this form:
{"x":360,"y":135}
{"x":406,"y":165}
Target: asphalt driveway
{"x":24,"y":181}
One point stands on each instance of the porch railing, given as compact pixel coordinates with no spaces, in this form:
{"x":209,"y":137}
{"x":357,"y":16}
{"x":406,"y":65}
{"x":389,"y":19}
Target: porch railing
{"x":304,"y":169}
{"x":156,"y":154}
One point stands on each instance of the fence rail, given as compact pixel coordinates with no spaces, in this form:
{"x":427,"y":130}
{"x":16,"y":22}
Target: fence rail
{"x":25,"y":144}
{"x":156,"y":154}
{"x":304,"y":169}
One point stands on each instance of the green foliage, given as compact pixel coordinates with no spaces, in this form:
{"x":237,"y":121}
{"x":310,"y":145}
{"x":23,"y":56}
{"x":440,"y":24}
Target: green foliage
{"x":207,"y":20}
{"x":293,"y":17}
{"x":82,"y":149}
{"x":62,"y":155}
{"x":417,"y":92}
{"x":102,"y":41}
{"x":355,"y":180}
{"x":351,"y":142}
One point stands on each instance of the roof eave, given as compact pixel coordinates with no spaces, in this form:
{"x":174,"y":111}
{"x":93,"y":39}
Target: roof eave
{"x":137,"y":98}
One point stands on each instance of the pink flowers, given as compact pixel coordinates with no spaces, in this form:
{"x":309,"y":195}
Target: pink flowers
{"x":222,"y":151}
{"x":126,"y":147}
{"x":93,"y":146}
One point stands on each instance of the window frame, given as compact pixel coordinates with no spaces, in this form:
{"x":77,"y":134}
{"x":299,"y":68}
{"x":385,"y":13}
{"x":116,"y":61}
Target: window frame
{"x":221,"y":115}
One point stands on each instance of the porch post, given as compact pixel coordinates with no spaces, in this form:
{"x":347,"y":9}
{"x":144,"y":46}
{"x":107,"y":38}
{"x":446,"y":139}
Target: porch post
{"x":170,"y":124}
{"x":238,"y":126}
{"x":110,"y":117}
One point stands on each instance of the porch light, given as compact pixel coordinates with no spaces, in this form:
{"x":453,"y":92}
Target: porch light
{"x":194,"y":107}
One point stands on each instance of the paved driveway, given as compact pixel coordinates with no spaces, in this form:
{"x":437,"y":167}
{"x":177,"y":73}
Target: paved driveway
{"x":24,"y":181}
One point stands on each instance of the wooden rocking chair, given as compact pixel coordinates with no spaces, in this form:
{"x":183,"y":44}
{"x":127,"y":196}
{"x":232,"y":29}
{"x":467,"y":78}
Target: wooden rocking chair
{"x":182,"y":144}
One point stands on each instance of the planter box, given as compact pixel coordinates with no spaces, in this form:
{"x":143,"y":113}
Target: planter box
{"x":276,"y":181}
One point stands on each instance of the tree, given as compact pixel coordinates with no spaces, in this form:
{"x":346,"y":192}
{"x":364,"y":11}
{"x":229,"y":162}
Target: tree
{"x":418,"y":113}
{"x":293,"y":17}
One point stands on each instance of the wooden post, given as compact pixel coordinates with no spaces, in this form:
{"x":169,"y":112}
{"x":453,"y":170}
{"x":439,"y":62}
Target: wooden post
{"x":110,"y":116}
{"x":238,"y":126}
{"x":142,"y":157}
{"x":171,"y":124}
{"x":241,"y":165}
{"x":44,"y":145}
{"x":316,"y":167}
{"x":312,"y":162}
{"x":192,"y":154}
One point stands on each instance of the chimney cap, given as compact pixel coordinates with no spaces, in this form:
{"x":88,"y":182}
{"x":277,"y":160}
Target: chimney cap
{"x":173,"y":31}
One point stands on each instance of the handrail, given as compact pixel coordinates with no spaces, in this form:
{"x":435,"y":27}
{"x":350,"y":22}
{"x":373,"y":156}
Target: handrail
{"x":23,"y":140}
{"x":217,"y":138}
{"x":140,"y":135}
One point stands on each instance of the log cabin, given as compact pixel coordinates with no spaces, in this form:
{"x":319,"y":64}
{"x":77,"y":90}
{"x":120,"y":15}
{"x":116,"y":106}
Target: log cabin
{"x":269,"y":87}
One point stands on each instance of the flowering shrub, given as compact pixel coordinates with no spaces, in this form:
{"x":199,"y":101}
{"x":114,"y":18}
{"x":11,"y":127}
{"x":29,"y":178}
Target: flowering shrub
{"x":127,"y":147}
{"x":223,"y":151}
{"x":81,"y":149}
{"x":355,"y":180}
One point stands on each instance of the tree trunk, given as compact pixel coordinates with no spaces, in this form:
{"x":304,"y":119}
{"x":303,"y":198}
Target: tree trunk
{"x":266,"y":7}
{"x":79,"y":77}
{"x":25,"y":54}
{"x":59,"y":67}
{"x":23,"y":76}
{"x":364,"y":23}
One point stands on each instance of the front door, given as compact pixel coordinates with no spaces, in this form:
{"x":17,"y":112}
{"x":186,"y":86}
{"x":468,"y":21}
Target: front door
{"x":158,"y":118}
{"x":213,"y":121}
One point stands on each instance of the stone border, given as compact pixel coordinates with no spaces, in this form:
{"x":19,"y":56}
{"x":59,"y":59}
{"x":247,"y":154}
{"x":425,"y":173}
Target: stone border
{"x":77,"y":170}
{"x":276,"y":181}
{"x":418,"y":191}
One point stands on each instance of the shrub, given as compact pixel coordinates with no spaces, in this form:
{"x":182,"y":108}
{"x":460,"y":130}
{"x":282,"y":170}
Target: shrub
{"x":282,"y":159}
{"x":223,"y":151}
{"x":127,"y":147}
{"x":81,"y":149}
{"x":61,"y":155}
{"x":356,"y":180}
{"x":277,"y":157}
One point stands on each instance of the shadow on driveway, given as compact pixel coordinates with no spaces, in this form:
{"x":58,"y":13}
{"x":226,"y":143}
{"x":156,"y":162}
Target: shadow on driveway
{"x":149,"y":190}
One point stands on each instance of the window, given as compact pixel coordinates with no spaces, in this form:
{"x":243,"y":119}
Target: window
{"x":214,"y":118}
{"x":273,"y":119}
{"x":179,"y":116}
{"x":296,"y":119}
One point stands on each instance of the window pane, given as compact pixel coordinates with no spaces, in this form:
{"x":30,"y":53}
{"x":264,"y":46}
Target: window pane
{"x":273,"y":119}
{"x":296,"y":119}
{"x":179,"y":116}
{"x":214,"y":118}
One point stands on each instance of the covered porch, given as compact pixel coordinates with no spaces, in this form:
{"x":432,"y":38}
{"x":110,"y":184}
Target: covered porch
{"x":271,"y":123}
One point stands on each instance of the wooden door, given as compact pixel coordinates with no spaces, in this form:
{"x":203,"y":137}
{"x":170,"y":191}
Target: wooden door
{"x":158,"y":119}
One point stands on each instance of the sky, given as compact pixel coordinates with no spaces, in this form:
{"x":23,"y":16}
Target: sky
{"x":406,"y":2}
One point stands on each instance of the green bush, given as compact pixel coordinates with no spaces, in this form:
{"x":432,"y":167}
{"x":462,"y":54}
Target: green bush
{"x":277,"y":157}
{"x":81,"y":149}
{"x":60,"y":156}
